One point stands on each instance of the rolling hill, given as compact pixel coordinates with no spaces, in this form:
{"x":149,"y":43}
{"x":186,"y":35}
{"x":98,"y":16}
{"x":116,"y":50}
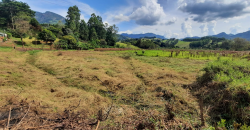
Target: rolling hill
{"x":49,"y":17}
{"x":142,"y":35}
{"x":245,"y":35}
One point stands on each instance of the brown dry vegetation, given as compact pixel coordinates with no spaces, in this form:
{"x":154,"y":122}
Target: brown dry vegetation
{"x":66,"y":89}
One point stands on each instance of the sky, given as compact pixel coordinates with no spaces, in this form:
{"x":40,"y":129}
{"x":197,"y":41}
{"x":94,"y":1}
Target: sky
{"x":169,"y":18}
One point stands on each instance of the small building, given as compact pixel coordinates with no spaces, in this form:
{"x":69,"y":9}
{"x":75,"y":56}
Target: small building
{"x":3,"y":34}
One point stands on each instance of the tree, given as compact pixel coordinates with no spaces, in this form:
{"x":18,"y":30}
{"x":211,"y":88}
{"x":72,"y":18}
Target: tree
{"x":96,"y":22}
{"x":34,"y":23}
{"x":67,"y":31}
{"x":10,"y":9}
{"x":47,"y":35}
{"x":93,"y":34}
{"x":240,"y":44}
{"x":111,"y":35}
{"x":73,"y":19}
{"x":71,"y":41}
{"x":84,"y":31}
{"x":21,"y":25}
{"x":227,"y":44}
{"x":35,"y":28}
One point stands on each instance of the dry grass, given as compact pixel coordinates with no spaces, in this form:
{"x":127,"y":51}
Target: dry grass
{"x":59,"y":80}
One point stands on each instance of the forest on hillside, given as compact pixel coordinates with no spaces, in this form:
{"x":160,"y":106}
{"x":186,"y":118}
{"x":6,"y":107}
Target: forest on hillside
{"x":19,"y":21}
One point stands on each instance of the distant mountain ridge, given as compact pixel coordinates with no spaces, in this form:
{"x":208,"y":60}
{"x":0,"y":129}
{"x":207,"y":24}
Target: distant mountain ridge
{"x":245,"y":35}
{"x":142,"y":35}
{"x":49,"y":17}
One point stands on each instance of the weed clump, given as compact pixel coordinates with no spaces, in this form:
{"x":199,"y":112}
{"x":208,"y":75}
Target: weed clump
{"x":224,"y":87}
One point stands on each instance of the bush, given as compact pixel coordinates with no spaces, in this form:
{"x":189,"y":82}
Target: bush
{"x":46,"y":35}
{"x":9,"y":35}
{"x":4,"y":39}
{"x":61,"y":44}
{"x":83,"y":46}
{"x":94,"y":44}
{"x":71,"y":41}
{"x":225,"y":85}
{"x":30,"y":37}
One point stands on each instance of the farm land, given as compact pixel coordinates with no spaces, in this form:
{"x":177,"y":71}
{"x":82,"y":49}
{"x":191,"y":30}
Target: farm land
{"x":129,"y":89}
{"x":60,"y":72}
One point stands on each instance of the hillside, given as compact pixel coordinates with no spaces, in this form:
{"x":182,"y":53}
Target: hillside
{"x":142,"y":35}
{"x":49,"y":17}
{"x":245,"y":35}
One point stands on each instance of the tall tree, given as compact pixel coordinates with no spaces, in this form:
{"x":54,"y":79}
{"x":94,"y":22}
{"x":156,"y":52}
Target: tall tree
{"x":11,"y":8}
{"x":111,"y":35}
{"x":93,"y":34}
{"x":84,"y":31}
{"x":73,"y":19}
{"x":101,"y":32}
{"x":21,"y":24}
{"x":96,"y":22}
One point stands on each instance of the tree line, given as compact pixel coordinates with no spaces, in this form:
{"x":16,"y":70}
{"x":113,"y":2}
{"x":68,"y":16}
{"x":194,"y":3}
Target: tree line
{"x":18,"y":19}
{"x":237,"y":44}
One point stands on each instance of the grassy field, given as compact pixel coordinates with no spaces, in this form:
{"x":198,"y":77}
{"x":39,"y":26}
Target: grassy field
{"x":126,"y":46}
{"x":135,"y":91}
{"x":186,"y":54}
{"x":183,"y":44}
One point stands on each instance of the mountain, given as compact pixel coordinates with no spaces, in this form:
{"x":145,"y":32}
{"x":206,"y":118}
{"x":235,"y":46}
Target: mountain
{"x":121,"y":37}
{"x":49,"y":17}
{"x":223,"y":34}
{"x":245,"y":35}
{"x":142,"y":35}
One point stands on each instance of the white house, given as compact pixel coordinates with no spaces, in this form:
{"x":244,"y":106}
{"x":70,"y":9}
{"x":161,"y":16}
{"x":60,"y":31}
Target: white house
{"x":3,"y":34}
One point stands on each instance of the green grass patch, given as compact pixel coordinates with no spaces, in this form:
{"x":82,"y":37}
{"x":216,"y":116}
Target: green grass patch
{"x":5,"y":49}
{"x":127,"y":46}
{"x":183,"y":44}
{"x":33,"y":52}
{"x":236,"y":74}
{"x":182,"y":54}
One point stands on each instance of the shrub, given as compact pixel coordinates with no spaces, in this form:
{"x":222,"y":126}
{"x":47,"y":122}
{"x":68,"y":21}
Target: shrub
{"x":61,"y":44}
{"x":71,"y":41}
{"x":4,"y":39}
{"x":226,"y":85}
{"x":83,"y":46}
{"x":9,"y":35}
{"x":30,"y":37}
{"x":46,"y":35}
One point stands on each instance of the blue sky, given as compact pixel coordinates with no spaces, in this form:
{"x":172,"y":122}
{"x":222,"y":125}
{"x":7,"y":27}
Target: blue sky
{"x":170,"y":18}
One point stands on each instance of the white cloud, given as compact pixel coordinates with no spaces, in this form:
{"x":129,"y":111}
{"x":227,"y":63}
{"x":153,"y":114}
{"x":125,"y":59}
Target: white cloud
{"x":234,"y":29}
{"x":128,"y":32}
{"x":211,"y":28}
{"x":187,"y":29}
{"x":121,"y":18}
{"x":204,"y":29}
{"x":170,"y":22}
{"x":168,"y":34}
{"x":175,"y":35}
{"x":226,"y":21}
{"x":149,"y":13}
